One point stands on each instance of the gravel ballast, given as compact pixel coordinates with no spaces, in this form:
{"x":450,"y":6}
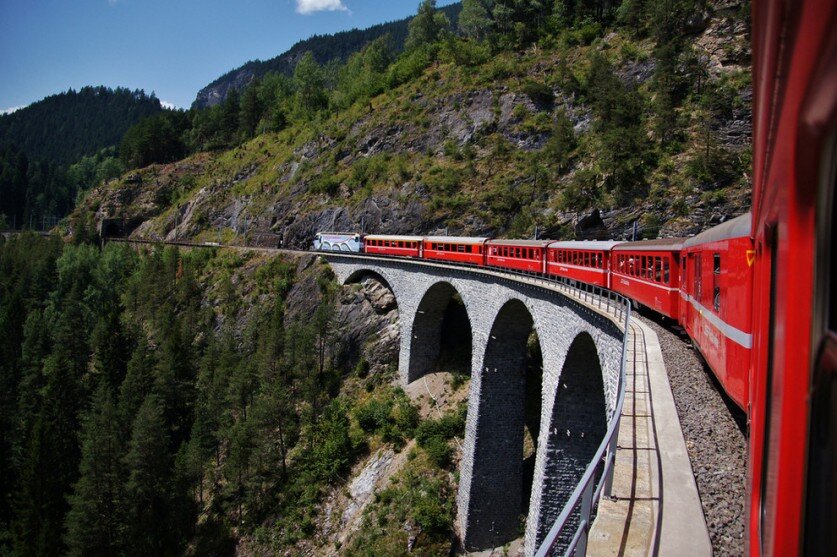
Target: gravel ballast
{"x":714,"y":430}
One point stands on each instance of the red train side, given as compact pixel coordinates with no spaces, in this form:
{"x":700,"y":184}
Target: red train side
{"x":519,"y":255}
{"x":585,"y":261}
{"x":457,"y":249}
{"x":793,"y":393}
{"x":716,"y":281}
{"x":405,"y":246}
{"x":648,"y":273}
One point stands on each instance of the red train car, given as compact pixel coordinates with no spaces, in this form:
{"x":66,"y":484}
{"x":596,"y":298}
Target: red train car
{"x":585,"y":261}
{"x":793,"y":384}
{"x":520,"y":255}
{"x":452,"y":248}
{"x":716,"y":281}
{"x":405,"y":246}
{"x":648,"y":272}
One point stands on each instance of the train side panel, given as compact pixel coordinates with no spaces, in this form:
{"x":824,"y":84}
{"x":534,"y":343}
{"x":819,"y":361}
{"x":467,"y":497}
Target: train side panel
{"x":648,"y":276}
{"x":716,"y":309}
{"x":457,"y":250}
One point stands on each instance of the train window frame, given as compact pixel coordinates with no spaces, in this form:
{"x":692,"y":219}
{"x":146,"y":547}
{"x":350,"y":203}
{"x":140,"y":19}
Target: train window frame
{"x":697,"y":278}
{"x":716,"y":281}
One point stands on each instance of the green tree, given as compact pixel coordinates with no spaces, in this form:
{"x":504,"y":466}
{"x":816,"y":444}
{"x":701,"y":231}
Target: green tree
{"x":475,"y":19}
{"x":427,"y":27}
{"x":93,"y":521}
{"x":251,"y":110}
{"x":148,"y":501}
{"x":310,"y":86}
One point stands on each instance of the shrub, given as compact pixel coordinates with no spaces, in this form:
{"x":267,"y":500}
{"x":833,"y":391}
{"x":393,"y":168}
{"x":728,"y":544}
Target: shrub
{"x":439,"y":451}
{"x":540,"y":93}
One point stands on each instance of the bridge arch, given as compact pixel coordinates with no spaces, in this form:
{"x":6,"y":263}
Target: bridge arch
{"x":360,"y":274}
{"x":498,"y":493}
{"x":577,"y":424}
{"x":426,"y":334}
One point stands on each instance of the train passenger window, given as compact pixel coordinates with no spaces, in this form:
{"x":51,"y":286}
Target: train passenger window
{"x":716,"y":287}
{"x":666,"y":273}
{"x":460,"y":248}
{"x":698,"y":278}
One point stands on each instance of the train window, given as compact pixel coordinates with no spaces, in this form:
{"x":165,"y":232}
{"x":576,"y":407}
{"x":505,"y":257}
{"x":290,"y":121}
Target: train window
{"x":666,"y":273}
{"x":698,"y":278}
{"x":716,"y":287}
{"x":460,"y":248}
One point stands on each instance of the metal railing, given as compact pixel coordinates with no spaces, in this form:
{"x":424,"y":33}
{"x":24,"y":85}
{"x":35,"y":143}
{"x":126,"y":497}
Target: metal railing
{"x":587,"y":491}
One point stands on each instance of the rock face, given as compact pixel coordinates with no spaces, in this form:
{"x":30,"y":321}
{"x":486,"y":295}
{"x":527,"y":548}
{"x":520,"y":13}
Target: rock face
{"x":366,"y":325}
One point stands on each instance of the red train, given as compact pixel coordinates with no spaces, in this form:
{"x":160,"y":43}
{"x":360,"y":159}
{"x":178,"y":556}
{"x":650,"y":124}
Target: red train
{"x":755,"y":294}
{"x":647,"y":272}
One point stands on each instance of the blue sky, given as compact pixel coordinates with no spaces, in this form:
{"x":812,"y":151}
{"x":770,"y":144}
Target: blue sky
{"x":170,"y":47}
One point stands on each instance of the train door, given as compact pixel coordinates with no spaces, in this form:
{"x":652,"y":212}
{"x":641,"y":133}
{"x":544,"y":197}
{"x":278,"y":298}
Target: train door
{"x":684,"y":290}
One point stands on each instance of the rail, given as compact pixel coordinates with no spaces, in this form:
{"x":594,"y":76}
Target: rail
{"x":587,"y":492}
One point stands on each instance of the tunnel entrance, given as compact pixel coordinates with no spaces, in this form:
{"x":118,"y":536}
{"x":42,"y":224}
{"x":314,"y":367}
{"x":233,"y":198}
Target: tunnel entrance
{"x":507,"y":428}
{"x":576,"y":429}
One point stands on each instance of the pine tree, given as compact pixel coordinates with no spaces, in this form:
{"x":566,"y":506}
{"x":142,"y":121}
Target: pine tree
{"x":148,"y":499}
{"x":93,"y":522}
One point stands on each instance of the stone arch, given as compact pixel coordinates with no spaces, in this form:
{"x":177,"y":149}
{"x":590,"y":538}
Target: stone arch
{"x":426,"y":332}
{"x":496,"y":496}
{"x":358,"y":275}
{"x":576,"y":427}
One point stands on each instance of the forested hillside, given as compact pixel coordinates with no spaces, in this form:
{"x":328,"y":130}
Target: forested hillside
{"x":334,"y":49}
{"x":63,"y":128}
{"x":572,"y":119}
{"x":161,"y":402}
{"x":59,"y":146}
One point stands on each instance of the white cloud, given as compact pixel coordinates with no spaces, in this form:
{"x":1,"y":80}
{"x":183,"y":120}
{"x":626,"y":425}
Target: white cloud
{"x":10,"y":110}
{"x":168,"y":105}
{"x":306,"y":7}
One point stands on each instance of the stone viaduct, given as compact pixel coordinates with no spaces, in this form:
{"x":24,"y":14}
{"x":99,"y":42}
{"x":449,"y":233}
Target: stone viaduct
{"x":581,"y":351}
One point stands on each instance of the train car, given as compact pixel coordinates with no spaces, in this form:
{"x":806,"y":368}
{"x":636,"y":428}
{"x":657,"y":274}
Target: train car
{"x":405,"y":246}
{"x":648,"y":272}
{"x":793,"y":386}
{"x":338,"y":241}
{"x":457,"y":249}
{"x":519,"y":255}
{"x":716,"y":281}
{"x":585,"y":261}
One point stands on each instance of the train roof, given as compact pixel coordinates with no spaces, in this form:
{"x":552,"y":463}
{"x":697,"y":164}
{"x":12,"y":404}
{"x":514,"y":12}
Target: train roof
{"x":456,"y":239}
{"x":739,"y":227}
{"x":338,"y":233}
{"x":393,"y":237}
{"x":526,"y":243}
{"x":661,"y":244}
{"x":592,"y":245}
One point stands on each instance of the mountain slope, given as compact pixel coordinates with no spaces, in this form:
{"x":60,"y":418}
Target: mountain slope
{"x":568,"y":139}
{"x":63,"y":128}
{"x":325,"y":48}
